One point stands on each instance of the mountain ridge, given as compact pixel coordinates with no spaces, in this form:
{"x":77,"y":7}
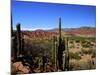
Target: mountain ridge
{"x":82,"y":31}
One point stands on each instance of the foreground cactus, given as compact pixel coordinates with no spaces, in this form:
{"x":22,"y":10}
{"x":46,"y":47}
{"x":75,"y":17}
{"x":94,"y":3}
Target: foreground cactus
{"x":61,"y":48}
{"x":67,"y":55}
{"x":18,"y":40}
{"x":54,"y":52}
{"x":13,"y":42}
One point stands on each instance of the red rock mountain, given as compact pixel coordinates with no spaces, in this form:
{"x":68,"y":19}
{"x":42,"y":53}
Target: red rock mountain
{"x":50,"y":33}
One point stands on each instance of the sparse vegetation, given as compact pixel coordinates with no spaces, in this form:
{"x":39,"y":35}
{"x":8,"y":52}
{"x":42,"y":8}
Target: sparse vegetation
{"x":74,"y":56}
{"x":38,"y":52}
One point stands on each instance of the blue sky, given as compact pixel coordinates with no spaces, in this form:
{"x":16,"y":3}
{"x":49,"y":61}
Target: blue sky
{"x":36,"y":15}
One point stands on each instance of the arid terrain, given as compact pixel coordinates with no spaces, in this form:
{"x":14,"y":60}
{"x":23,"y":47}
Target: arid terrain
{"x":80,"y":44}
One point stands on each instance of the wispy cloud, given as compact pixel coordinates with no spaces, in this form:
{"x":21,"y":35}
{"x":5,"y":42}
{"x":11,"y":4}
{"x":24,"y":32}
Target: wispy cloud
{"x":40,"y":28}
{"x":32,"y":29}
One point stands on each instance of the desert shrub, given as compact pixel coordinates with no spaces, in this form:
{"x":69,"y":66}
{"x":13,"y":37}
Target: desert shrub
{"x":89,"y":52}
{"x":93,"y":54}
{"x":38,"y":47}
{"x":85,"y":65}
{"x":82,"y":65}
{"x":74,"y":56}
{"x":86,"y":45}
{"x":77,"y":41}
{"x":84,"y":51}
{"x":93,"y":39}
{"x":83,"y":41}
{"x":72,"y":46}
{"x":71,"y":42}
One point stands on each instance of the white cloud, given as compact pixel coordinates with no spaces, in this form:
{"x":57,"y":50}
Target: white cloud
{"x":32,"y":29}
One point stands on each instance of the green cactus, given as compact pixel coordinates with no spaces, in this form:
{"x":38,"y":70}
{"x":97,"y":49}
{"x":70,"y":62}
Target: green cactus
{"x":13,"y":42}
{"x":22,"y":45}
{"x":61,"y":48}
{"x":55,"y":57}
{"x":67,"y":55}
{"x":11,"y":26}
{"x":18,"y":40}
{"x":59,"y":29}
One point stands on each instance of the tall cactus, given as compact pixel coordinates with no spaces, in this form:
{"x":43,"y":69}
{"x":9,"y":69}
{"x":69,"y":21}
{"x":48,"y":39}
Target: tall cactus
{"x":64,"y":55}
{"x":61,"y":48}
{"x":59,"y":30}
{"x":64,"y":61}
{"x":13,"y":42}
{"x":56,"y":48}
{"x":53,"y":48}
{"x":67,"y":55}
{"x":54,"y":52}
{"x":11,"y":26}
{"x":22,"y":45}
{"x":18,"y":40}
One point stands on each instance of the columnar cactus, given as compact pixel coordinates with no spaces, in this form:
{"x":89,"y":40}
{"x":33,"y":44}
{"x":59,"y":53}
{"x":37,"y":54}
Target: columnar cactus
{"x":53,"y":48}
{"x":61,"y":48}
{"x":63,"y":60}
{"x":54,"y":52}
{"x":64,"y":54}
{"x":13,"y":42}
{"x":18,"y":40}
{"x":11,"y":26}
{"x":22,"y":44}
{"x":67,"y":55}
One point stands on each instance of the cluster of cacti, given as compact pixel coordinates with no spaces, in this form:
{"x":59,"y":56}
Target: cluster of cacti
{"x":58,"y":53}
{"x":61,"y":48}
{"x":13,"y":42}
{"x":60,"y":57}
{"x":20,"y":41}
{"x":17,"y":41}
